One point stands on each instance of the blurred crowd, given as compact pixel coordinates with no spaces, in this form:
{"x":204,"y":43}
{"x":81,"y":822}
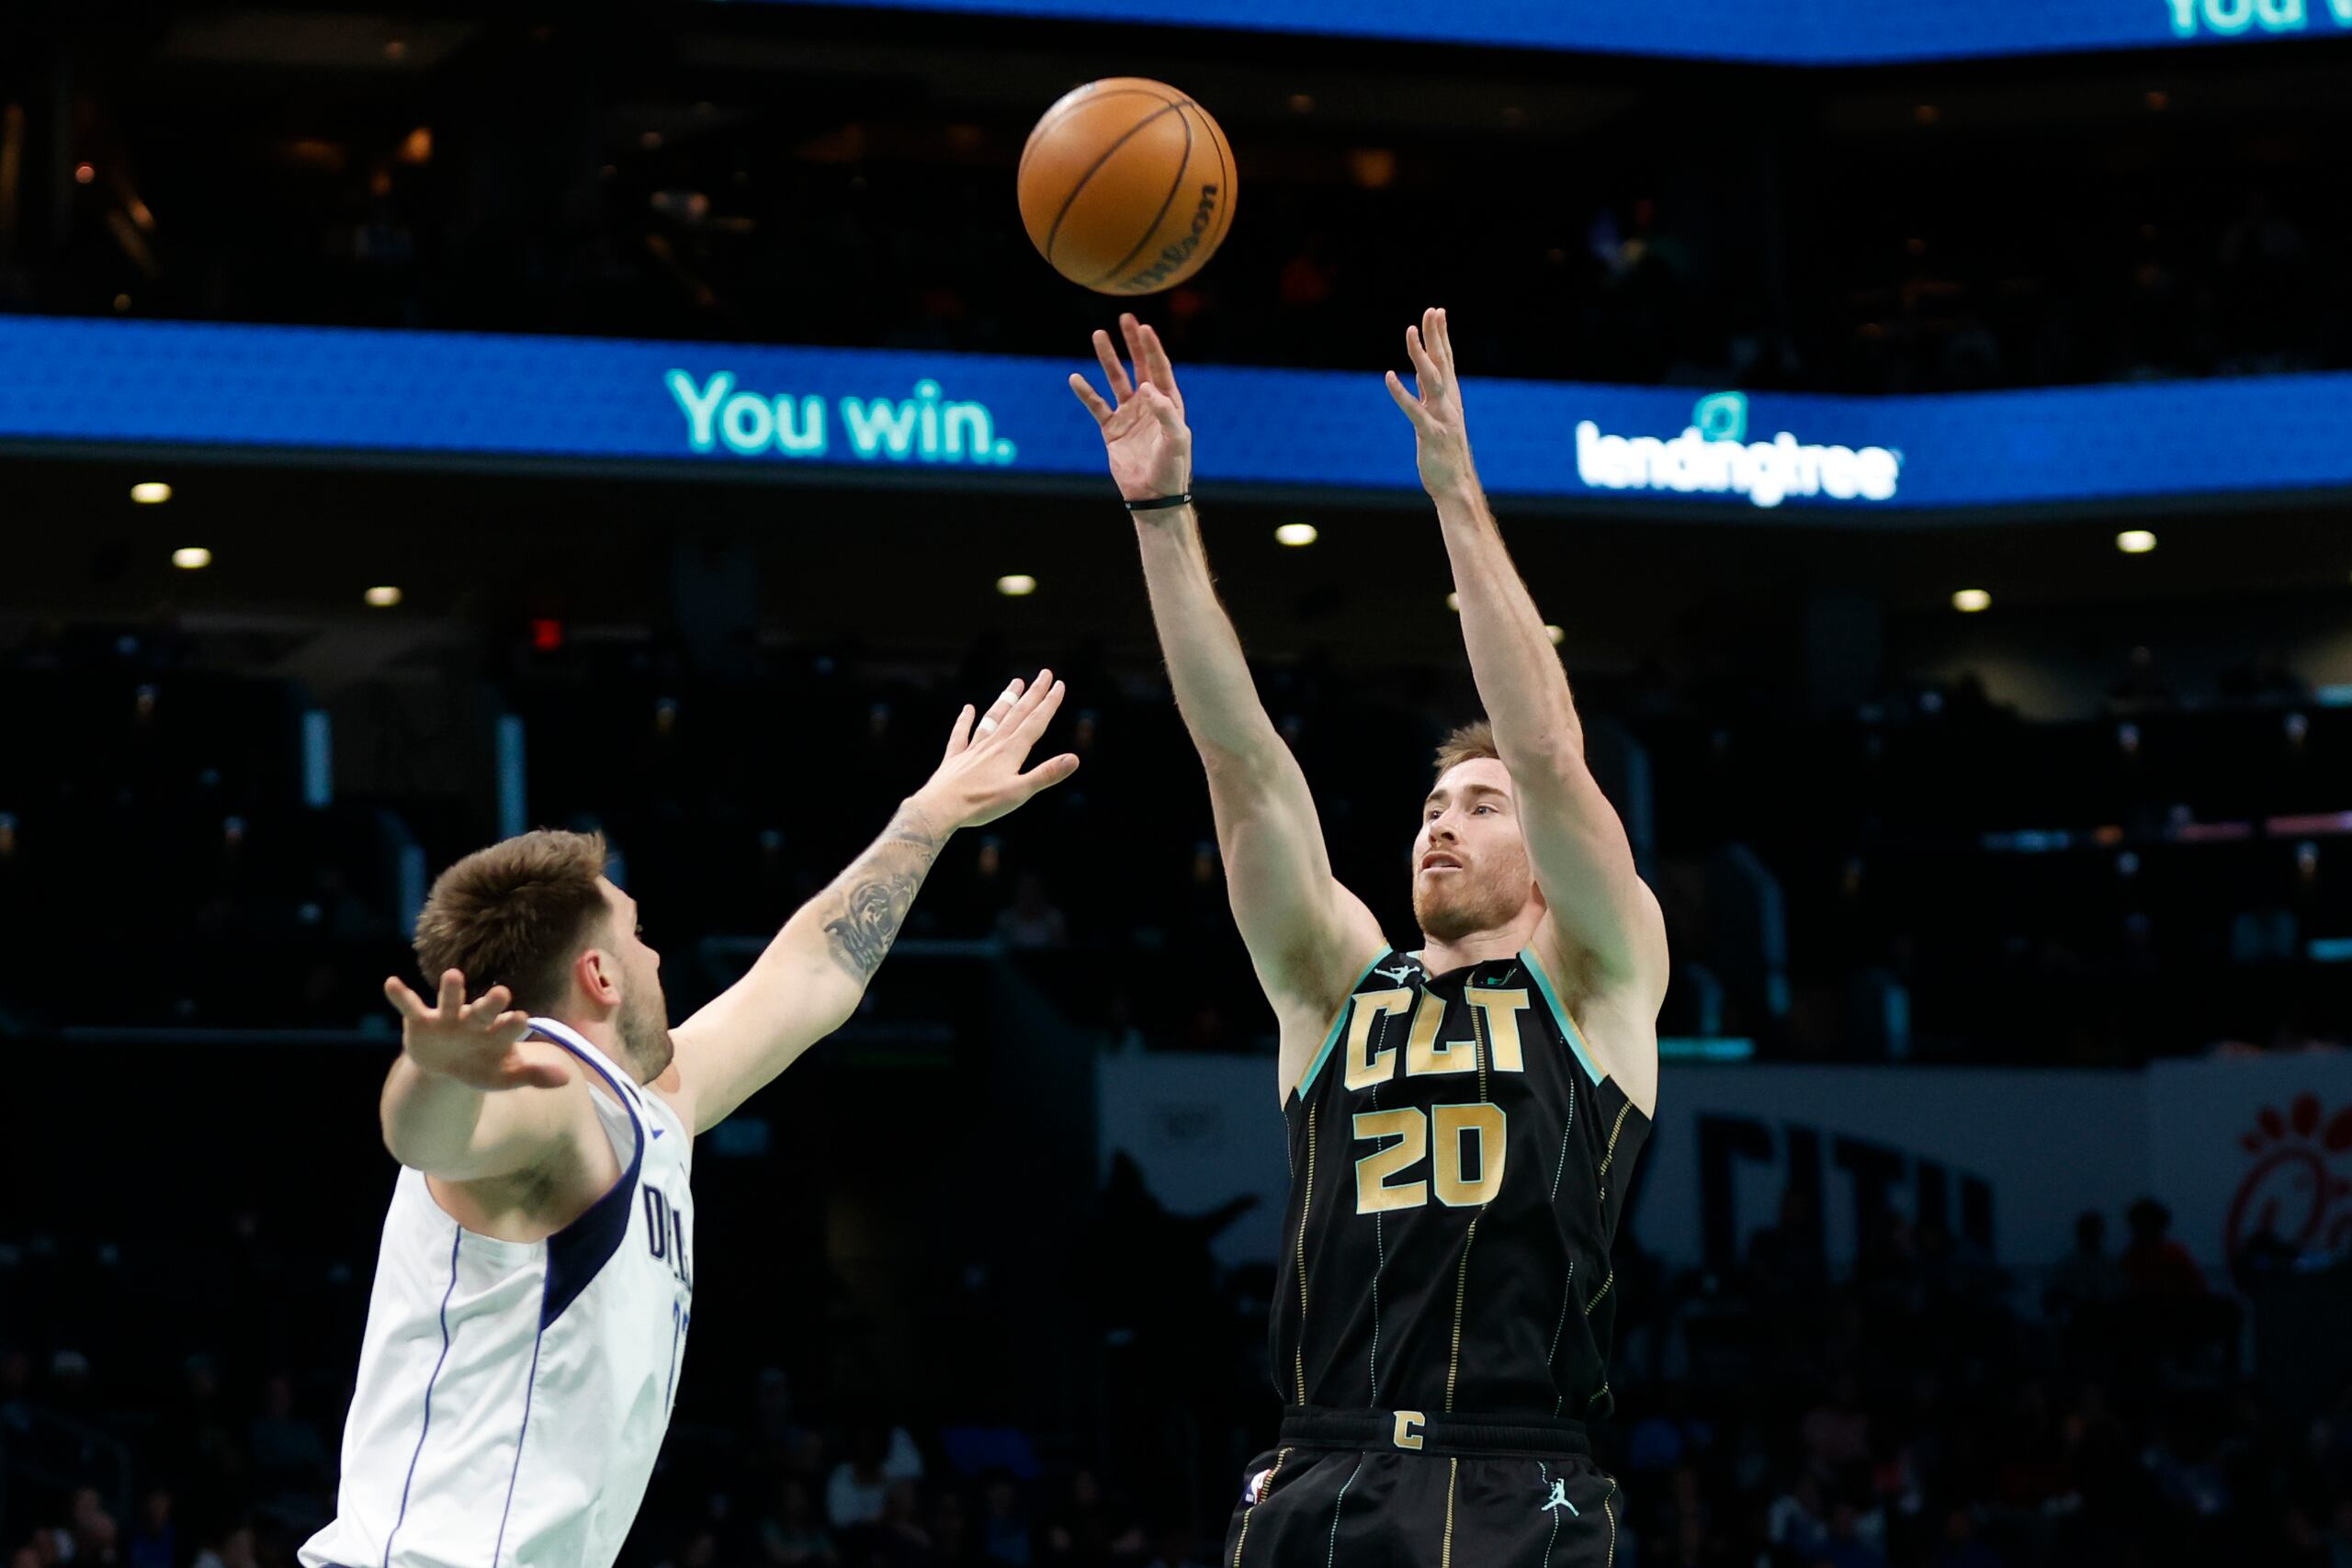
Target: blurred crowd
{"x":2158,"y":881}
{"x":1921,"y":1408}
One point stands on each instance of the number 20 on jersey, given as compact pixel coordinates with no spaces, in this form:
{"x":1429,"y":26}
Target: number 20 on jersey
{"x":1458,"y":1177}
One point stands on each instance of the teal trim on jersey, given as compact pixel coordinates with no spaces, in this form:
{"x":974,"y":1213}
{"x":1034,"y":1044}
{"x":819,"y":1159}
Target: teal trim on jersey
{"x":1543,"y":984}
{"x":1338,"y":1023}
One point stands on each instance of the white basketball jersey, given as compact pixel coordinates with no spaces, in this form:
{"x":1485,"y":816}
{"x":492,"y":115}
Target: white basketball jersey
{"x":512,"y":1395}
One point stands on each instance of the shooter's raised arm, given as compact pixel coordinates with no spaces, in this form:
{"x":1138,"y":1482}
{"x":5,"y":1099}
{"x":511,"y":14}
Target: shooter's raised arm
{"x":1308,"y":937}
{"x":1609,"y":934}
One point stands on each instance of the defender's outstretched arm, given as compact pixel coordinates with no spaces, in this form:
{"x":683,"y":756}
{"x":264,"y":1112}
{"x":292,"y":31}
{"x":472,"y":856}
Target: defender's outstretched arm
{"x":813,"y":974}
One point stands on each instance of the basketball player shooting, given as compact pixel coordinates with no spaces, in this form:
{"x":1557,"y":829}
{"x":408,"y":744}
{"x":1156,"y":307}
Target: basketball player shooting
{"x":1462,"y":1116}
{"x":534,"y":1284}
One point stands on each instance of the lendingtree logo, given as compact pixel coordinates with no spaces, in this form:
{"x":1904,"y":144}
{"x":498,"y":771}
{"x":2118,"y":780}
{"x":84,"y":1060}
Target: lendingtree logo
{"x":924,"y":428}
{"x":1714,"y":456}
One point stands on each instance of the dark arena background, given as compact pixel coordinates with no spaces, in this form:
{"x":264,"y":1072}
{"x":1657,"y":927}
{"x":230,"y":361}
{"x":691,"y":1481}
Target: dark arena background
{"x":417,"y":426}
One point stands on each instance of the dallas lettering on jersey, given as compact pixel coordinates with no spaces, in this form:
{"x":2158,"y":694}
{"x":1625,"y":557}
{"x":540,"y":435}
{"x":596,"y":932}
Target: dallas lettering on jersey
{"x":665,"y":1236}
{"x":1712,"y":456}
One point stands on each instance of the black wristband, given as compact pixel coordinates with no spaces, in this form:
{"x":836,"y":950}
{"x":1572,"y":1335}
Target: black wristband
{"x":1160,"y":503}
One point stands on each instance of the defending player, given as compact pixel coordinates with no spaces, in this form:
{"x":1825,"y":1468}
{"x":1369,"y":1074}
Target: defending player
{"x":536,"y":1279}
{"x":1462,"y":1116}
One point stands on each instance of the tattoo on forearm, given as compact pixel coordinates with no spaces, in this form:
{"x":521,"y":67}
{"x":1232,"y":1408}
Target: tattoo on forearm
{"x":873,"y":895}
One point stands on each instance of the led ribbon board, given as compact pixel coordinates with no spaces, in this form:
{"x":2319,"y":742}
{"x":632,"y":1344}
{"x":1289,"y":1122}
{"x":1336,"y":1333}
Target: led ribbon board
{"x":742,"y":409}
{"x":1785,"y":32}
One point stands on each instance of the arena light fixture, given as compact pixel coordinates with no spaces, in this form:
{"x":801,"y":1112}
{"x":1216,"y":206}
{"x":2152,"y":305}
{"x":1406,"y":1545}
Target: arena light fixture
{"x":191,"y":557}
{"x":1016,"y":585}
{"x":1556,"y":634}
{"x":1968,"y":601}
{"x":1295,"y":534}
{"x":383,"y":596}
{"x":2135,"y":541}
{"x":151,"y":493}
{"x":1454,"y":603}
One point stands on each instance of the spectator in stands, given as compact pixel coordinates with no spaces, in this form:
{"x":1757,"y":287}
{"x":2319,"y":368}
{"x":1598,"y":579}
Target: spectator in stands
{"x":1856,"y":1540}
{"x":292,"y":1465}
{"x":781,"y":1442}
{"x":1786,"y":1259}
{"x":16,"y":1394}
{"x":1836,"y":1432}
{"x":1797,"y":1525}
{"x":859,"y":1487}
{"x":2086,"y":1281}
{"x":1089,"y":1530}
{"x":1004,"y":1526}
{"x":155,"y":1543}
{"x":2153,"y":1264}
{"x":94,"y":1538}
{"x":1962,"y":1546}
{"x":793,"y":1535}
{"x":951,"y":1527}
{"x":1172,"y":1548}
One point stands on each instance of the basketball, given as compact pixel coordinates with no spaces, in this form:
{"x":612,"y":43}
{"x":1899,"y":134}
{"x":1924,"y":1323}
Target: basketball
{"x":1127,"y":186}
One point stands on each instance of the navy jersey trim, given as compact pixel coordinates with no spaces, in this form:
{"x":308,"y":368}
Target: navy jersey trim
{"x":1567,"y":1028}
{"x":580,"y":1249}
{"x":1338,"y":1022}
{"x":455,"y":1241}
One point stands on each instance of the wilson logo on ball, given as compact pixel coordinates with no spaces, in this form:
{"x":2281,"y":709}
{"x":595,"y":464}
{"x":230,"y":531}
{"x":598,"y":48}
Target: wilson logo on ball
{"x":1157,"y":276}
{"x":1127,"y":186}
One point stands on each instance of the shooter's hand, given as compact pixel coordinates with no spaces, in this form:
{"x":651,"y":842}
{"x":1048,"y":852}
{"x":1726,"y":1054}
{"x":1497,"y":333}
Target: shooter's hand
{"x":981,"y":778}
{"x":1149,"y":444}
{"x":1442,"y":440}
{"x":475,"y":1043}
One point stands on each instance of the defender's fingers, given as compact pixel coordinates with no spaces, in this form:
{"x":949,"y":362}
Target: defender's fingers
{"x":1443,"y":340}
{"x":1090,"y":397}
{"x":1048,"y":773}
{"x":453,"y":992}
{"x":1028,"y":725}
{"x":489,"y":1005}
{"x":408,"y":1002}
{"x":961,"y":736}
{"x":1117,"y":372}
{"x":1039,"y":689}
{"x":509,"y":1027}
{"x":991,"y":720}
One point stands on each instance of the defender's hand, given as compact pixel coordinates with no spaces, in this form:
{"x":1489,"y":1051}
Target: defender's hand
{"x":1442,"y":440}
{"x":980,"y":777}
{"x":476,"y":1042}
{"x":1149,"y":444}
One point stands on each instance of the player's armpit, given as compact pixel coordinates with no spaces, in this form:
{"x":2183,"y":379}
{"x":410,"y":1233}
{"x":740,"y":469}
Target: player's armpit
{"x":451,"y":1130}
{"x":538,"y":1199}
{"x":1612,"y":1011}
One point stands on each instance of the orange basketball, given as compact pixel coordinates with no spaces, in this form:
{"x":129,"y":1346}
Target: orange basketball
{"x":1127,"y":186}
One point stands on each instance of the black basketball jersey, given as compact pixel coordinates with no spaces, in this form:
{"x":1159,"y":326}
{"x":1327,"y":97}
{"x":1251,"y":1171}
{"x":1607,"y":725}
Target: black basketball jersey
{"x":1458,"y":1166}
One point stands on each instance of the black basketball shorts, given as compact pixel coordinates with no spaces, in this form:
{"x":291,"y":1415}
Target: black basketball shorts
{"x":1395,"y":1489}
